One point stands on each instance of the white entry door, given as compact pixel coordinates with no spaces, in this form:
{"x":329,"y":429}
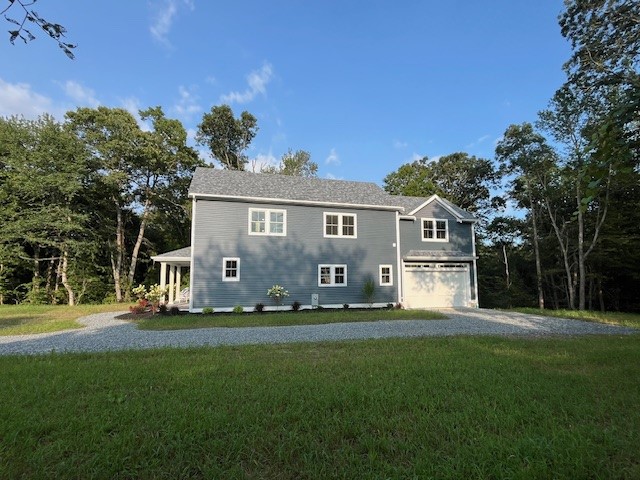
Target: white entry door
{"x":432,"y":285}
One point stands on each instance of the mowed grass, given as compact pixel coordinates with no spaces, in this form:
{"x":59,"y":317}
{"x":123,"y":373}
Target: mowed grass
{"x":285,"y":318}
{"x":612,"y":318}
{"x":25,"y":319}
{"x":462,"y":407}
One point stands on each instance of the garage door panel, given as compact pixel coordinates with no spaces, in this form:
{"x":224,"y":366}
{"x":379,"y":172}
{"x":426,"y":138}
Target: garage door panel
{"x":436,"y":287}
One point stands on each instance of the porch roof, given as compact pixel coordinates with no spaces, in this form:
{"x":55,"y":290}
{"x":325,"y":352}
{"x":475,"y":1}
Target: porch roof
{"x":179,"y":256}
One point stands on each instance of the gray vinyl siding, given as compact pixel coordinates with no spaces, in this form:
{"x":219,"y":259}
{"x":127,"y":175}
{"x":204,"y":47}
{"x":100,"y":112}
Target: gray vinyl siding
{"x":460,"y":236}
{"x":292,"y":261}
{"x":411,"y":232}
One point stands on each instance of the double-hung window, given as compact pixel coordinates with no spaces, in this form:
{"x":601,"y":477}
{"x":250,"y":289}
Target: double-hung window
{"x":332,"y":275}
{"x":340,"y":225}
{"x":230,"y":269}
{"x":264,"y":221}
{"x":435,"y":230}
{"x":386,"y":275}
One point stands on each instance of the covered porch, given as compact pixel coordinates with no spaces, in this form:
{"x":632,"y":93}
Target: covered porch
{"x":173,"y":266}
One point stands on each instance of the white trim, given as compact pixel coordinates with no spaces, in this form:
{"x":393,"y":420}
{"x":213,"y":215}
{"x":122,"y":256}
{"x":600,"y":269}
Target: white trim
{"x":224,"y":269}
{"x":332,"y":273}
{"x":161,"y":259}
{"x":283,"y":308}
{"x":390,"y":282}
{"x":209,"y":196}
{"x":340,"y":216}
{"x":438,"y":259}
{"x":444,"y":205}
{"x":193,"y":249}
{"x":398,"y":258}
{"x":475,"y":302}
{"x":408,"y":217}
{"x":435,"y":229}
{"x":267,"y":222}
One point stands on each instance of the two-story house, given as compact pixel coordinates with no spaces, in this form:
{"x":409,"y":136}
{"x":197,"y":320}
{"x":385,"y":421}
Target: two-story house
{"x":321,"y":240}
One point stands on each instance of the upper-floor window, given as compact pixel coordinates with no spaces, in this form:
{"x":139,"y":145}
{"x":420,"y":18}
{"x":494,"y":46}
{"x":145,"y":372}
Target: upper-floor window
{"x":340,"y":225}
{"x":230,"y":269}
{"x":435,"y":230}
{"x":263,"y":221}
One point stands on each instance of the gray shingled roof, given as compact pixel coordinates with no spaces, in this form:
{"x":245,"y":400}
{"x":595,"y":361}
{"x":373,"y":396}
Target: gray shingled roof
{"x":181,"y":252}
{"x":233,"y":183}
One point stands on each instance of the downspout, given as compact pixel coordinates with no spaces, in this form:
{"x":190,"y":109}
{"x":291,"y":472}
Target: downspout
{"x":193,"y":248}
{"x":475,"y":266}
{"x":398,"y":260}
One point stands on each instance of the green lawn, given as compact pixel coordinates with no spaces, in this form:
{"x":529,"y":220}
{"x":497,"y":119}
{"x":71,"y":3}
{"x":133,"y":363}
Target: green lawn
{"x":271,"y":319}
{"x":24,"y":319}
{"x":613,"y":318}
{"x":462,"y":407}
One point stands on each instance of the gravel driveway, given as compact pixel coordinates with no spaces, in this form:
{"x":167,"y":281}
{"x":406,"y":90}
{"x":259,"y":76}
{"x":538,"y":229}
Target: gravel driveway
{"x":103,"y":332}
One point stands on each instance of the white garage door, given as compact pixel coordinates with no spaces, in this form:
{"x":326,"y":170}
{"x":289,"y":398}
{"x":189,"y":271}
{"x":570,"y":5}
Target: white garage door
{"x":429,"y":285}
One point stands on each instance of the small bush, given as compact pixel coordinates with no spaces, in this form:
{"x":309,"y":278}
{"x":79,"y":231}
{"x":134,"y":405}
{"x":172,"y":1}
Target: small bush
{"x":345,"y":306}
{"x":174,"y":311}
{"x":162,"y":309}
{"x":238,"y":309}
{"x":369,"y":291}
{"x":137,"y":309}
{"x":207,"y":310}
{"x":259,"y":307}
{"x":398,"y":306}
{"x":295,"y":306}
{"x":390,"y":306}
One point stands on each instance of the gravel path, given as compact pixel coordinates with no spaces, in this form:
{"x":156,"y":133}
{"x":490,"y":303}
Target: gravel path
{"x":103,"y":332}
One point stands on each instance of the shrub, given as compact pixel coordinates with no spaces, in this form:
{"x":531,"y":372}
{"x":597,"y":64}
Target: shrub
{"x":174,"y":311}
{"x":259,"y":307}
{"x":137,"y":309}
{"x":277,"y":292}
{"x":207,"y":310}
{"x":389,"y":306}
{"x":162,"y":309}
{"x":345,"y":306}
{"x":369,"y":291}
{"x":398,"y":306}
{"x":295,"y":306}
{"x":238,"y":309}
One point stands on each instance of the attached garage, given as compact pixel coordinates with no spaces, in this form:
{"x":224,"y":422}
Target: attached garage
{"x":434,"y":285}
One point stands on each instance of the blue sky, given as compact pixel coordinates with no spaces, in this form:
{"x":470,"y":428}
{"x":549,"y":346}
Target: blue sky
{"x":364,"y":86}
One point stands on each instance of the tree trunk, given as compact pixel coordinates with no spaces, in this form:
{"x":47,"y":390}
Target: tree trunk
{"x":35,"y":280}
{"x":506,"y":266}
{"x":136,"y":247}
{"x":536,"y":251}
{"x":64,"y":265}
{"x":581,"y":267}
{"x":116,"y":264}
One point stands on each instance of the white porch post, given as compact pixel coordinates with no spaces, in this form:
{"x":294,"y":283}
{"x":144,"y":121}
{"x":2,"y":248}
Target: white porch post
{"x":172,"y":282}
{"x":178,"y":281}
{"x":163,"y":279}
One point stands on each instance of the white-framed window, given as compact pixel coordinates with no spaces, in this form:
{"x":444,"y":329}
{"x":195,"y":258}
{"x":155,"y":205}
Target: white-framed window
{"x":386,"y":275}
{"x":266,"y":221}
{"x":340,"y":225}
{"x":230,"y":269}
{"x":435,"y":230}
{"x":332,"y":275}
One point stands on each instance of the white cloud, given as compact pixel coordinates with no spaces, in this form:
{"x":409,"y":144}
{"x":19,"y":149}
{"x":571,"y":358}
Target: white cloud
{"x":415,"y":157}
{"x":20,"y":99}
{"x":261,"y":161}
{"x":187,"y":105}
{"x":398,"y":144}
{"x":330,"y":176}
{"x":478,"y":141}
{"x":333,"y":158}
{"x":257,"y":81}
{"x":132,"y":105}
{"x":164,"y":16}
{"x":81,"y":95}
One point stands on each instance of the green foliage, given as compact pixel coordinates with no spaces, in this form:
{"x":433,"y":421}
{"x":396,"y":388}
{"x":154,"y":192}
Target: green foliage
{"x":207,"y":310}
{"x":226,"y":136}
{"x":238,"y":309}
{"x":295,"y":306}
{"x":444,"y":408}
{"x":259,"y":307}
{"x":369,"y":290}
{"x":296,"y":163}
{"x":277,"y":292}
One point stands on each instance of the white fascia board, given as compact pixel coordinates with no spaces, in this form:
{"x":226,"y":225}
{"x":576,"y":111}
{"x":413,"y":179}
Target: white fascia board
{"x":159,"y":258}
{"x":435,"y":197}
{"x":284,"y":201}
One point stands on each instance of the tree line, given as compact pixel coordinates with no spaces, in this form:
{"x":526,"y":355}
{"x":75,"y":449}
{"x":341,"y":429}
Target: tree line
{"x":87,"y":201}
